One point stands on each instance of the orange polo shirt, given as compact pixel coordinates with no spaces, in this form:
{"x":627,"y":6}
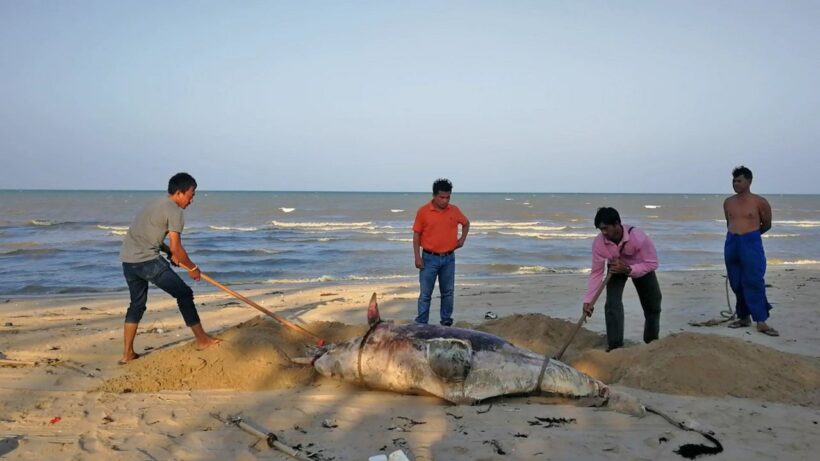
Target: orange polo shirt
{"x":438,"y":228}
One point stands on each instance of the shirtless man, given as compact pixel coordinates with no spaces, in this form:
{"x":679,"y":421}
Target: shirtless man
{"x":748,"y":216}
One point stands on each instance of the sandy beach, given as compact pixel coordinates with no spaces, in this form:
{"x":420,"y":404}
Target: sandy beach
{"x":68,"y":398}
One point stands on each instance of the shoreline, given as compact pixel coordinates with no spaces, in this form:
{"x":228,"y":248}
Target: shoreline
{"x":205,"y":287}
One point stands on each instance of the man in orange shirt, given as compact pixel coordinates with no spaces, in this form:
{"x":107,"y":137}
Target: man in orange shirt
{"x":435,"y":232}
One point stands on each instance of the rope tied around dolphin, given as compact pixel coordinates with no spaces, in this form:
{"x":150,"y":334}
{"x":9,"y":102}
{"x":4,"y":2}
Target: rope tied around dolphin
{"x":366,"y":336}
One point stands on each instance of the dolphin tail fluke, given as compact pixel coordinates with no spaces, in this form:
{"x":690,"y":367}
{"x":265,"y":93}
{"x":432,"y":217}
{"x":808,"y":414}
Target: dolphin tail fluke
{"x":373,"y":316}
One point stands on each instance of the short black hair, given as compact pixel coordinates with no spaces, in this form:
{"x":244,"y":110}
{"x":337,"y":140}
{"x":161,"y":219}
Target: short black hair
{"x":607,"y":216}
{"x":442,"y":185}
{"x":742,"y":171}
{"x":180,"y":182}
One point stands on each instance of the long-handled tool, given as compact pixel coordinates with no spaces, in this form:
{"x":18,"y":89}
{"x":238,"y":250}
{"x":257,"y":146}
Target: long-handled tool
{"x":319,"y":341}
{"x":270,"y":438}
{"x":583,"y":316}
{"x":572,"y":334}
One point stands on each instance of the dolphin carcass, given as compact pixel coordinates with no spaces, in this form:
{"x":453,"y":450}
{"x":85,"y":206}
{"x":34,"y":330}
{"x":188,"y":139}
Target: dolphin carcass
{"x":458,"y":365}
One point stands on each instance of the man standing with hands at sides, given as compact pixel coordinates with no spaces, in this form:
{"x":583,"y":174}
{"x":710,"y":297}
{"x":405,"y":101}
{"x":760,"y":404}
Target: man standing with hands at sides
{"x":435,"y":232}
{"x":142,"y":263}
{"x":631,"y":254}
{"x":748,"y":216}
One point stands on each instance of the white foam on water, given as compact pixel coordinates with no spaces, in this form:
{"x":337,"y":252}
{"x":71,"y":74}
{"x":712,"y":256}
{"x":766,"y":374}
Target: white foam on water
{"x":514,"y":225}
{"x":286,"y":209}
{"x":551,"y":235}
{"x":330,"y":278}
{"x":799,"y":262}
{"x":525,"y":270}
{"x":651,"y":207}
{"x":396,"y":210}
{"x":231,"y":228}
{"x":379,"y":277}
{"x":532,"y":270}
{"x":323,"y":278}
{"x":324,"y":226}
{"x":769,"y":235}
{"x":807,"y":223}
{"x":116,"y":228}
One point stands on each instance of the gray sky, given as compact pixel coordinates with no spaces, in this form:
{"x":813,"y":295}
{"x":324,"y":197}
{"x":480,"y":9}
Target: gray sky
{"x":513,"y":96}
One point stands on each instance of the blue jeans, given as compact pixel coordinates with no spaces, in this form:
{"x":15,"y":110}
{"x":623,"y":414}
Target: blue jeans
{"x":443,"y":267}
{"x":158,"y":272}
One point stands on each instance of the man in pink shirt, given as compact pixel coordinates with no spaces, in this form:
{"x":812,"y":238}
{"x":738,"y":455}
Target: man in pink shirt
{"x":630,"y":254}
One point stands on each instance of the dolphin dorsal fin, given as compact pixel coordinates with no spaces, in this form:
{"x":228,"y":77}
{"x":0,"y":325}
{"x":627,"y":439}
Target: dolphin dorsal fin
{"x":373,"y":316}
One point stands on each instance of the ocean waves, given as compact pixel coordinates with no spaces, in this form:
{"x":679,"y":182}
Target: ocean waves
{"x":32,"y":252}
{"x":233,"y":228}
{"x":325,"y":226}
{"x":552,"y":235}
{"x":797,"y":262}
{"x":54,"y":242}
{"x":797,"y":223}
{"x":331,"y":278}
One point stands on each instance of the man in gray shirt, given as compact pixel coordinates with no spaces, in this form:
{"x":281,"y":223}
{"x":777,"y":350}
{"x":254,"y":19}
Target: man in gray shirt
{"x":142,"y":263}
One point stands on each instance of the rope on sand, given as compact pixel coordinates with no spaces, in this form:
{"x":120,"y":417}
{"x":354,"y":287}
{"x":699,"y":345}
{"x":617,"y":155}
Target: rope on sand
{"x":691,"y":450}
{"x":728,"y":314}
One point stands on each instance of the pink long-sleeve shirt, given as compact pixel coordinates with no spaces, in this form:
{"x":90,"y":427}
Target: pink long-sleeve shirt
{"x":636,"y":249}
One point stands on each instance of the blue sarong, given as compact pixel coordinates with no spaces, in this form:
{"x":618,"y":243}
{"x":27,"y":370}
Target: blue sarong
{"x":746,"y":268}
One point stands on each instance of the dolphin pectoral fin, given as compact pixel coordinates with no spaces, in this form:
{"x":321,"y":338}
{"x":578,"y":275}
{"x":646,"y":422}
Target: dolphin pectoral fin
{"x":450,"y":359}
{"x":373,"y":316}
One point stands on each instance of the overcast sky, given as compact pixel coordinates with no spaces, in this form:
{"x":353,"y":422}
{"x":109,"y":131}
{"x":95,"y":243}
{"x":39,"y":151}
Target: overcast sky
{"x":507,"y":96}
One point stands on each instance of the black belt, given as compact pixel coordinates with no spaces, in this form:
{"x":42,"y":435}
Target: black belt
{"x":446,"y":253}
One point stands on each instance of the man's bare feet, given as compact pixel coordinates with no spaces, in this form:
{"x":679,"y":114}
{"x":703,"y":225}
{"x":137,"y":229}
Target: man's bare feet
{"x":203,"y":340}
{"x":206,"y":342}
{"x":126,"y":359}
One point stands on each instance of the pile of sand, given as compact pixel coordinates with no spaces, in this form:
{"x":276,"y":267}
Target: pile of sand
{"x":255,"y":355}
{"x":709,"y":365}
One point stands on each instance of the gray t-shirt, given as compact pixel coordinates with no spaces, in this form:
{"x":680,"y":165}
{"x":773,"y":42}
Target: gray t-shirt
{"x":149,"y":229}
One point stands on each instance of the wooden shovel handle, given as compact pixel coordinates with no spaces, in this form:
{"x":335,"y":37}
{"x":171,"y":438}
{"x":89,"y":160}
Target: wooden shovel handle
{"x":583,"y":316}
{"x":270,"y":314}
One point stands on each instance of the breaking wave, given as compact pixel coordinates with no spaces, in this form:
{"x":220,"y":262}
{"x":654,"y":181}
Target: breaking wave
{"x":231,"y":228}
{"x":799,"y":262}
{"x":551,"y":235}
{"x":807,"y":223}
{"x":330,"y":278}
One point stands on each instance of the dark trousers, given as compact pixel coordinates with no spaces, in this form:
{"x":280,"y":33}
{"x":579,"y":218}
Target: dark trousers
{"x":158,"y":272}
{"x":649,"y":292}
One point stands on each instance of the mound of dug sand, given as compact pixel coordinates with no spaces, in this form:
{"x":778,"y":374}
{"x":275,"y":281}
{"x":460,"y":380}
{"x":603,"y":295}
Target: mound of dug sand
{"x":255,"y":355}
{"x":541,"y":334}
{"x":708,"y":365}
